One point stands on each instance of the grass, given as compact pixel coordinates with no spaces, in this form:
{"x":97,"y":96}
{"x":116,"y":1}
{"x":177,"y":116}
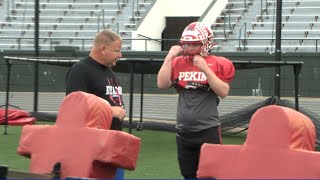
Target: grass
{"x":157,"y":157}
{"x":9,"y":144}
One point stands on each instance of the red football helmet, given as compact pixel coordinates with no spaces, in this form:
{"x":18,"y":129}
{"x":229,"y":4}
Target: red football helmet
{"x":197,"y":33}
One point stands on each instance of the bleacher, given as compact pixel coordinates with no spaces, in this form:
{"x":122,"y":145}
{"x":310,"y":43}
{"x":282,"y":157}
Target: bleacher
{"x":244,"y":25}
{"x":227,"y":24}
{"x":300,"y":27}
{"x":66,"y":22}
{"x":250,"y":26}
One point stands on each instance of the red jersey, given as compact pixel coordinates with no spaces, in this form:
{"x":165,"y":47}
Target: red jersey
{"x":188,"y":76}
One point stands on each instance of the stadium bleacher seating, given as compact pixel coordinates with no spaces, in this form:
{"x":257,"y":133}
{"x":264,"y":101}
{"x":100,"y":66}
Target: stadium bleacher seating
{"x":73,"y":5}
{"x":254,"y":29}
{"x":246,"y":25}
{"x":51,"y":25}
{"x":299,"y":31}
{"x":67,"y":19}
{"x":287,"y":3}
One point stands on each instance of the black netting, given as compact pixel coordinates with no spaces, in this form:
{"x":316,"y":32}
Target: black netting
{"x":237,"y":120}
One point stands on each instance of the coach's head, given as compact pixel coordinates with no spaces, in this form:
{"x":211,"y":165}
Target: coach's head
{"x":106,"y":48}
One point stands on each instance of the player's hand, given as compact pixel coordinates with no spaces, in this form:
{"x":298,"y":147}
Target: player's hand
{"x":118,"y":112}
{"x":200,"y":62}
{"x":175,"y":50}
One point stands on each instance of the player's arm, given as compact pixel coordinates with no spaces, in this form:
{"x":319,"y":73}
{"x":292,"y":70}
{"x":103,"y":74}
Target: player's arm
{"x":164,"y":74}
{"x":216,"y":84}
{"x":220,"y":87}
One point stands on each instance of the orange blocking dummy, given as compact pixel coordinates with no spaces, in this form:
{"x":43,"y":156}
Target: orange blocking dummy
{"x":280,"y":145}
{"x":80,"y":141}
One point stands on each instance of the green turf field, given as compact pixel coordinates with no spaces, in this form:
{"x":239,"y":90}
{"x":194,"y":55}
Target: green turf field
{"x":157,"y":157}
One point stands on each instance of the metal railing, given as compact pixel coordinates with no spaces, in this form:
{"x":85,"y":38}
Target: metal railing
{"x":84,"y":44}
{"x":146,"y":40}
{"x":244,"y":40}
{"x":229,"y":23}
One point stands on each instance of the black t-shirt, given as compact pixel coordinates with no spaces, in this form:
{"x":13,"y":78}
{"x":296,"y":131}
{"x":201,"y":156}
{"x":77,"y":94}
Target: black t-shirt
{"x":89,"y":76}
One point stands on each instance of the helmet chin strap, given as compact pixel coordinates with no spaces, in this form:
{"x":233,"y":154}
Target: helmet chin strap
{"x":187,"y":52}
{"x":191,"y":55}
{"x":202,"y":53}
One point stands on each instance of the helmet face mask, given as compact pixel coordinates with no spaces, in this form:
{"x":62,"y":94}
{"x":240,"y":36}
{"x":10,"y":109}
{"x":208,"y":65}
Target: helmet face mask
{"x":192,"y":48}
{"x":197,"y":33}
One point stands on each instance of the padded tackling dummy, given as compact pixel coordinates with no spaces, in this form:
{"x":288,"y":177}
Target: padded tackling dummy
{"x":280,"y":145}
{"x":16,"y":117}
{"x":80,"y":141}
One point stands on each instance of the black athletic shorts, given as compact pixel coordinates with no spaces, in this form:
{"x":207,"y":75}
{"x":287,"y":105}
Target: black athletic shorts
{"x":188,"y":146}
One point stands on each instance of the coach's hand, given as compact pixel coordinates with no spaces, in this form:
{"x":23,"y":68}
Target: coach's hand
{"x":118,"y":112}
